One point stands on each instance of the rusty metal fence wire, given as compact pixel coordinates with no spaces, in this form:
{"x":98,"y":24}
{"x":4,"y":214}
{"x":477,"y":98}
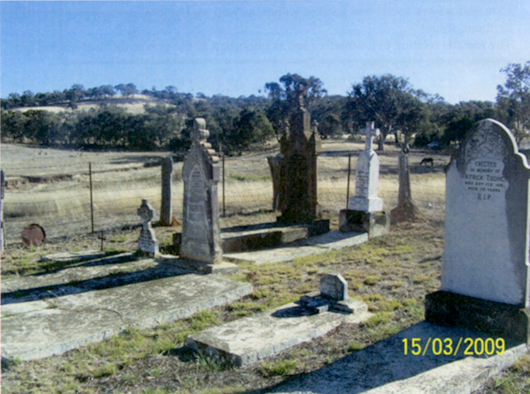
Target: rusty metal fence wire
{"x":64,"y":207}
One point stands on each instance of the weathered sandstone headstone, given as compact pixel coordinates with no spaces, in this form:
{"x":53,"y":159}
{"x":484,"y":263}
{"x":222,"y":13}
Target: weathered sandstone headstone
{"x":300,"y":146}
{"x":147,"y":243}
{"x":201,"y":237}
{"x":485,"y":281}
{"x":406,"y":209}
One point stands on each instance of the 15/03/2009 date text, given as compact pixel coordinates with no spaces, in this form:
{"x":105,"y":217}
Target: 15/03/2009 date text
{"x":448,"y":346}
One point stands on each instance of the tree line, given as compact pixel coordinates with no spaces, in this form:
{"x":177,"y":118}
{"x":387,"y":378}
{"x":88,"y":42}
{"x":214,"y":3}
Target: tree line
{"x":237,"y":124}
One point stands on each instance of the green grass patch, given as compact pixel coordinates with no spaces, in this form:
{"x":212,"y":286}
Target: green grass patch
{"x":372,"y":280}
{"x":354,"y":346}
{"x":279,"y":368}
{"x":421,"y":278}
{"x":378,"y":319}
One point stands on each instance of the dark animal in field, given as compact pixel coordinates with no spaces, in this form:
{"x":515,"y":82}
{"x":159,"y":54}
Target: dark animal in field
{"x":427,"y":160}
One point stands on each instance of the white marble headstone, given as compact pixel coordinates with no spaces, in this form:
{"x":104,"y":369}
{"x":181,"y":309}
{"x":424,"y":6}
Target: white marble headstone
{"x":367,"y":176}
{"x":486,"y":220}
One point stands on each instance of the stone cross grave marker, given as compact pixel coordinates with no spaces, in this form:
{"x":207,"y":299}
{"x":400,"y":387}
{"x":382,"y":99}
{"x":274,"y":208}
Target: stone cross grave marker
{"x":147,"y":242}
{"x":367,"y":177}
{"x":485,"y":273}
{"x":201,"y":235}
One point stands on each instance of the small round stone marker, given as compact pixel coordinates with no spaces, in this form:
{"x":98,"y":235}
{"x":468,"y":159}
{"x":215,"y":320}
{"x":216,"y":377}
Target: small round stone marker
{"x":33,"y":235}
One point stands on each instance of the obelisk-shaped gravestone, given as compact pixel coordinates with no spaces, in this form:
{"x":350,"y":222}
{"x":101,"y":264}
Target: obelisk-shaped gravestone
{"x":201,"y":237}
{"x":485,"y":273}
{"x":299,"y":146}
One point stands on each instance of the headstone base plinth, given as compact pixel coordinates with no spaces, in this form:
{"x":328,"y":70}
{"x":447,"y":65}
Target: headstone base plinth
{"x":375,"y":224}
{"x":374,"y":204}
{"x":494,"y":318}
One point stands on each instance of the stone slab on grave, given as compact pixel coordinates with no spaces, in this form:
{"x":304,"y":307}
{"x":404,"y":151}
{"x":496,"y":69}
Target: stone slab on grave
{"x":245,"y":341}
{"x":73,"y":257}
{"x":365,"y":209}
{"x":485,"y":278}
{"x":38,"y":329}
{"x":323,"y":243}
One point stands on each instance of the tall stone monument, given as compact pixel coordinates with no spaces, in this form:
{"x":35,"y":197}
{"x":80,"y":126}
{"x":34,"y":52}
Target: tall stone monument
{"x":299,"y":146}
{"x":165,"y":205}
{"x":485,"y":272}
{"x":201,"y":236}
{"x":406,"y":210}
{"x":365,"y":210}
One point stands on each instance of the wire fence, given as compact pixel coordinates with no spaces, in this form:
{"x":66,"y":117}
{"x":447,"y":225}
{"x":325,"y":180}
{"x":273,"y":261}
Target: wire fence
{"x":64,"y":208}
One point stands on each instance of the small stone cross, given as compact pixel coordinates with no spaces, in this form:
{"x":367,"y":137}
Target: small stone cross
{"x":370,"y":132}
{"x":200,"y":133}
{"x":146,"y":212}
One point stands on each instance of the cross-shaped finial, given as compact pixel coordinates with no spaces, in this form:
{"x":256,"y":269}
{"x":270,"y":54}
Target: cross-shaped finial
{"x":370,"y":132}
{"x":146,"y":212}
{"x":200,"y":134}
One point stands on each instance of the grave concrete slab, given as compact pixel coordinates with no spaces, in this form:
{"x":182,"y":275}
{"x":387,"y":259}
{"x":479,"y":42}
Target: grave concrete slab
{"x":102,"y":273}
{"x":44,"y":328}
{"x":314,"y":245}
{"x":383,"y":368}
{"x":245,"y":341}
{"x":74,"y":257}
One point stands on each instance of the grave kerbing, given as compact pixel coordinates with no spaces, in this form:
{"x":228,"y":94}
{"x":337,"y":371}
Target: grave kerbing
{"x":365,"y":210}
{"x":201,"y":236}
{"x":485,"y":273}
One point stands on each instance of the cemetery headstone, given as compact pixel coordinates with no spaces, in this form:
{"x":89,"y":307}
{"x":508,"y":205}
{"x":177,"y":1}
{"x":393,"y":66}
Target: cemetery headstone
{"x":165,"y":208}
{"x":406,"y":209}
{"x":333,"y":296}
{"x":2,"y":191}
{"x":485,"y":273}
{"x":365,"y":210}
{"x":201,"y":236}
{"x":147,"y":243}
{"x":334,"y":286}
{"x":367,"y":177}
{"x":299,"y":147}
{"x":275,"y":166}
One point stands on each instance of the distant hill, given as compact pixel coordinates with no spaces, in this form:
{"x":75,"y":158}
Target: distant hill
{"x":134,"y":104}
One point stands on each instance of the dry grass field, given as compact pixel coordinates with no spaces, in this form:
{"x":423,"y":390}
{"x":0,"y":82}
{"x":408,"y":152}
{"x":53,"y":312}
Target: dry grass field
{"x":392,"y":274}
{"x":51,"y":186}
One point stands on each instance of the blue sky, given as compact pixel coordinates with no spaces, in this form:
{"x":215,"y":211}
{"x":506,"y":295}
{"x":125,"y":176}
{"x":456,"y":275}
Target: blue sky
{"x":455,"y":48}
